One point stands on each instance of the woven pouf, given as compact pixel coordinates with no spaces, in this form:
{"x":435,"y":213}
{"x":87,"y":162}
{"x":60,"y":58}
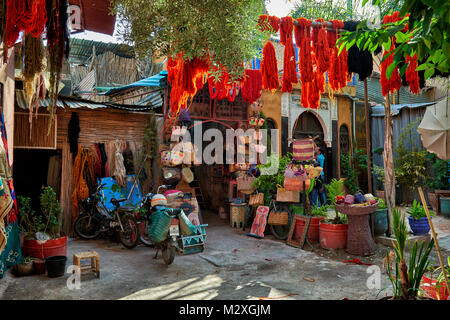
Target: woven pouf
{"x":359,"y":237}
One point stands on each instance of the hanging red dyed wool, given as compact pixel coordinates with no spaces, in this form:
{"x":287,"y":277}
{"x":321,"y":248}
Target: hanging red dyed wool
{"x":337,"y":71}
{"x":251,"y":86}
{"x":412,"y":76}
{"x":289,"y":63}
{"x":303,"y":41}
{"x":321,"y":48}
{"x":395,"y":82}
{"x":269,"y":65}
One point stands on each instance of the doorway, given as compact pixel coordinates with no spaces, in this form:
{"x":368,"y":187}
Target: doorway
{"x":34,"y":169}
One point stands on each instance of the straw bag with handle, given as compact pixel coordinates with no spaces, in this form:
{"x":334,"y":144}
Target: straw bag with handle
{"x":303,"y":150}
{"x":284,"y":195}
{"x":257,"y":199}
{"x":245,"y":183}
{"x":278,"y":218}
{"x":187,"y":175}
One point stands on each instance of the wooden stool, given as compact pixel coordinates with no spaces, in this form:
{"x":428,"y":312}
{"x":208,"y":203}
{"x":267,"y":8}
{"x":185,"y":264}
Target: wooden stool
{"x":95,"y":262}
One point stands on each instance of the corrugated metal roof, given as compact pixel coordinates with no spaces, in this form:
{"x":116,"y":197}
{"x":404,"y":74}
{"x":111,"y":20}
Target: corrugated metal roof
{"x":87,"y":84}
{"x":158,"y":81}
{"x":374,"y":93}
{"x":154,"y":99}
{"x":81,"y":49}
{"x":61,"y":102}
{"x":379,"y":111}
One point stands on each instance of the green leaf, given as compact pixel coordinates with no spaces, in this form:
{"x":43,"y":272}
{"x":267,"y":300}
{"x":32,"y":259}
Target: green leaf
{"x":387,"y":45}
{"x":390,"y":70}
{"x":429,"y":73}
{"x":421,"y":67}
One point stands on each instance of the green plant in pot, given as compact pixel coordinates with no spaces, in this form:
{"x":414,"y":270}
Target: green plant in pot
{"x":380,"y":218}
{"x":438,"y":179}
{"x":418,"y":220}
{"x":378,"y":173}
{"x":333,"y":231}
{"x":406,"y":278}
{"x":43,"y":229}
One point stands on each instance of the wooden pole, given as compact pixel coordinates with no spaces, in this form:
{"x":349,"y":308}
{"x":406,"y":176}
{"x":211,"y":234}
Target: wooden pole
{"x":388,"y":159}
{"x":368,"y":146}
{"x":441,"y":261}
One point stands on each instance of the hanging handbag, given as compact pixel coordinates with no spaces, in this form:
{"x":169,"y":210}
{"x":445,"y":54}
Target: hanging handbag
{"x":313,"y":172}
{"x":165,"y":158}
{"x":303,"y":150}
{"x":245,"y":183}
{"x":176,"y":158}
{"x":278,"y":218}
{"x":187,"y":175}
{"x":296,"y":184}
{"x":256,"y":199}
{"x":171,"y":176}
{"x":286,"y":195}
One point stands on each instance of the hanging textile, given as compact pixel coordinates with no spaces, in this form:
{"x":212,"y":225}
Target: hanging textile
{"x":73,"y":132}
{"x":252,"y":86}
{"x":289,"y":63}
{"x":81,"y":189}
{"x":269,"y":64}
{"x":119,"y":173}
{"x":12,"y":253}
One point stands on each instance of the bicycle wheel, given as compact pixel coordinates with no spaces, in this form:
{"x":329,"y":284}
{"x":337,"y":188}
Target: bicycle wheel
{"x":282,"y":232}
{"x":168,"y":253}
{"x":144,"y":227}
{"x":86,"y":226}
{"x":130,"y":235}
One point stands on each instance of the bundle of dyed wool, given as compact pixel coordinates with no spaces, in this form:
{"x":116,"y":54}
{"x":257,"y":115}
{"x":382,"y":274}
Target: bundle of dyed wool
{"x":337,"y":71}
{"x":358,"y":61}
{"x":394,"y":83}
{"x":269,"y":64}
{"x":251,"y":86}
{"x":289,"y":63}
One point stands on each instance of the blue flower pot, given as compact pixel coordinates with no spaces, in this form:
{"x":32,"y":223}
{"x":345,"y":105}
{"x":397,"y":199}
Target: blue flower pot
{"x":419,"y":227}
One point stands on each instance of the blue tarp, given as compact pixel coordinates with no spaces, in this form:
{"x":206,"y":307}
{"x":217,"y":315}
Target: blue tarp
{"x":113,"y":190}
{"x":157,"y":81}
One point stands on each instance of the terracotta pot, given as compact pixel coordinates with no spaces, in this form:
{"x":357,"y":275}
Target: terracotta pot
{"x":433,"y":199}
{"x":22,"y":270}
{"x":313,"y":231}
{"x":333,"y":236}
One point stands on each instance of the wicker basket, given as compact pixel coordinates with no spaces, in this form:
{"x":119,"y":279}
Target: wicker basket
{"x":256,"y":199}
{"x":287,"y":196}
{"x":160,"y":226}
{"x":356,"y":210}
{"x":278,"y":218}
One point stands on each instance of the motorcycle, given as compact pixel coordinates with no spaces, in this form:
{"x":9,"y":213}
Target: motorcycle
{"x":95,"y":219}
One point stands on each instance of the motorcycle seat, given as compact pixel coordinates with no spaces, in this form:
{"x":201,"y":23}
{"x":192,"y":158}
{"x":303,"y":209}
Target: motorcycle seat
{"x":126,"y":209}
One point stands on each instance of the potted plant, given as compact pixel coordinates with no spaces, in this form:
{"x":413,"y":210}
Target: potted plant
{"x":25,"y":268}
{"x":437,"y":180}
{"x":418,"y":220}
{"x":378,"y":173}
{"x":407,"y":278}
{"x":333,"y":232}
{"x":435,"y":287}
{"x":42,"y":230}
{"x":380,"y":218}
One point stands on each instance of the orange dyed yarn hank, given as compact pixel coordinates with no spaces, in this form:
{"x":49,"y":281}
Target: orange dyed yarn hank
{"x":337,"y":70}
{"x":251,"y":86}
{"x":269,"y":23}
{"x":394,"y":83}
{"x":269,"y":64}
{"x":412,"y":76}
{"x":289,"y":63}
{"x":321,"y":48}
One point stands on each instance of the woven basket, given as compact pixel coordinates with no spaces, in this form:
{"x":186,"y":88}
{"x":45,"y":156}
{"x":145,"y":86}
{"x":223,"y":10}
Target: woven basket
{"x":245,"y":183}
{"x":187,"y":228}
{"x":256,"y":199}
{"x":160,"y":226}
{"x":278,"y":218}
{"x":187,"y":175}
{"x":356,"y":210}
{"x":287,"y":196}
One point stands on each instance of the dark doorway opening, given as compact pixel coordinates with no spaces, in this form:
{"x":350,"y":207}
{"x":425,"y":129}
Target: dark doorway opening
{"x":34,"y":169}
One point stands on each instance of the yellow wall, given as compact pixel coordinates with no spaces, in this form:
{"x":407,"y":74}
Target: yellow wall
{"x":272,"y":109}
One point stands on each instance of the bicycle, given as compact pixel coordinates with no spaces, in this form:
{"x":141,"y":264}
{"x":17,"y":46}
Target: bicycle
{"x":96,"y":219}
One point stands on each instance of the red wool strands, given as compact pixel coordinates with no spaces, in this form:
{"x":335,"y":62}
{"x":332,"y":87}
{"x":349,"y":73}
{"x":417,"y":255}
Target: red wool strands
{"x":269,"y":65}
{"x":252,"y":86}
{"x":289,"y":63}
{"x":24,"y":15}
{"x":337,"y":70}
{"x":394,"y":83}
